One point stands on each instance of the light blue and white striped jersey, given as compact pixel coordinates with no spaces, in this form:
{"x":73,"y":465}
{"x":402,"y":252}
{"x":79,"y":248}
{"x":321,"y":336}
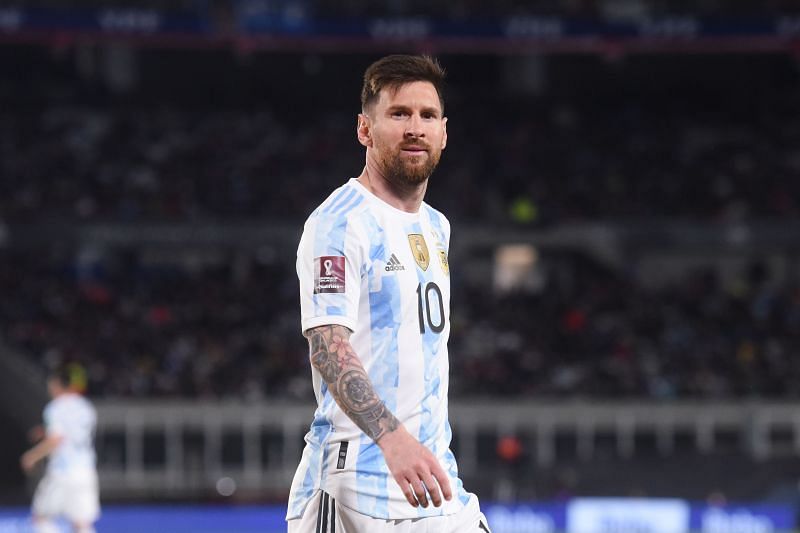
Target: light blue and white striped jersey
{"x":382,"y":273}
{"x":72,"y":417}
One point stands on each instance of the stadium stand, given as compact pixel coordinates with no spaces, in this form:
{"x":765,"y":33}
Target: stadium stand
{"x":148,"y":230}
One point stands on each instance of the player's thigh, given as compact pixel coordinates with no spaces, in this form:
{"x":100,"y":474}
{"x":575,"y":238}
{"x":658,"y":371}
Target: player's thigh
{"x":83,"y":501}
{"x":324,"y":515}
{"x":351,"y":521}
{"x":319,"y":516}
{"x":48,"y":499}
{"x":470,"y":519}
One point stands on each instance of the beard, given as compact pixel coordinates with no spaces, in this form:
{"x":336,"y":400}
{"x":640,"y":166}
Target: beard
{"x":404,"y":171}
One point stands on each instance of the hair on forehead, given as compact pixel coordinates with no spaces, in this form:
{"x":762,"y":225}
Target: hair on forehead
{"x":392,"y":72}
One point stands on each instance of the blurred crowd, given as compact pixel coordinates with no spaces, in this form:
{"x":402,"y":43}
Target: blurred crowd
{"x":567,"y":8}
{"x":152,"y":329}
{"x":161,"y":165}
{"x":229,"y":327}
{"x":442,"y":8}
{"x":604,"y":143}
{"x":594,"y":333}
{"x":539,"y":162}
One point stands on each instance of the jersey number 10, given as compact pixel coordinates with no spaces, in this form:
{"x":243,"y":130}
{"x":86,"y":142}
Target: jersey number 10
{"x":424,"y":307}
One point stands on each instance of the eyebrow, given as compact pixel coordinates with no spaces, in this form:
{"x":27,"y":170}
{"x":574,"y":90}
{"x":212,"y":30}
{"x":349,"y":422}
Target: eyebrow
{"x":400,"y":107}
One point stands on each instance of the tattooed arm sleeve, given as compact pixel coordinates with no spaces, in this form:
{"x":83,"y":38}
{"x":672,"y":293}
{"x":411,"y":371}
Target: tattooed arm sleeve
{"x":333,"y":356}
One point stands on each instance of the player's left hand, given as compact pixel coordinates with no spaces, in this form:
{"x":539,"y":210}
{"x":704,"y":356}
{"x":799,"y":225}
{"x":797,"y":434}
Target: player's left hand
{"x":415,"y":468}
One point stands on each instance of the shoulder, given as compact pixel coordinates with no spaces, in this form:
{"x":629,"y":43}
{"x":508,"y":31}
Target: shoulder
{"x":72,"y":404}
{"x":55,"y":409}
{"x":341,"y":203}
{"x":438,"y":220}
{"x":343,"y":207}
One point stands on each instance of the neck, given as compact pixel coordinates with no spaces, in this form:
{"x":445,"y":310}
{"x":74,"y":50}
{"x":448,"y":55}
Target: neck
{"x":405,"y":198}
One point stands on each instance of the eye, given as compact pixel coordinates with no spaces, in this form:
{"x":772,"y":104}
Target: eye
{"x":399,"y":113}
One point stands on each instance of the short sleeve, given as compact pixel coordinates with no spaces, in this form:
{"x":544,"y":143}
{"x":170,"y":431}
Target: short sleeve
{"x":53,"y":424}
{"x":329,"y":266}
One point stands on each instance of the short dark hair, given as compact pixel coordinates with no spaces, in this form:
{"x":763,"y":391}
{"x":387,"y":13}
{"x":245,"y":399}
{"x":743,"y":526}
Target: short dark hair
{"x":62,"y":375}
{"x":396,"y":70}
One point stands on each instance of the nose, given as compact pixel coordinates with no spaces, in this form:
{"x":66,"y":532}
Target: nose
{"x":414,"y":127}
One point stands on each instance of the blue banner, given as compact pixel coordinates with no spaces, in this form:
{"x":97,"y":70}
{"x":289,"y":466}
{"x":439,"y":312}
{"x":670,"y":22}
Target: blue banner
{"x":581,"y":515}
{"x":617,"y":515}
{"x":742,"y":518}
{"x":296,"y":18}
{"x":175,"y":519}
{"x":530,"y":518}
{"x":109,"y":20}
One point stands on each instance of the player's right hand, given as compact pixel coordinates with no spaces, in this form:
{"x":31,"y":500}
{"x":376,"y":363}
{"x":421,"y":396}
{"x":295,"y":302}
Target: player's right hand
{"x":414,"y":468}
{"x":27,"y":462}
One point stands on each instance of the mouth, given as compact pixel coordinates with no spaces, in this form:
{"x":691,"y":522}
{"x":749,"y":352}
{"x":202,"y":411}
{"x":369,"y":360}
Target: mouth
{"x":414,"y":150}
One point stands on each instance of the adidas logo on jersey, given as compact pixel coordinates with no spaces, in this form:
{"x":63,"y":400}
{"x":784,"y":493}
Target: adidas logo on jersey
{"x":393,"y":264}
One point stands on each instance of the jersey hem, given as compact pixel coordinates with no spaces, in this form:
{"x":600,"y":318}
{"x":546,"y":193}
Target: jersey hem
{"x":328,"y":320}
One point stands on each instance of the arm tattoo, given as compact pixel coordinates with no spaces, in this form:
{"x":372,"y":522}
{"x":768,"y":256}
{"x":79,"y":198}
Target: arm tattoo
{"x":333,"y":355}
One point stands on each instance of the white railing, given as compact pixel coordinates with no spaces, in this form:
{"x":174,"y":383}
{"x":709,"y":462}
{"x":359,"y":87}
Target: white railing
{"x":184,"y":449}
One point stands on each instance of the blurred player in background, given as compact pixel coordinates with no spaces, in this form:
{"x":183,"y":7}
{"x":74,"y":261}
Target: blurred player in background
{"x":375,"y":299}
{"x":69,"y":487}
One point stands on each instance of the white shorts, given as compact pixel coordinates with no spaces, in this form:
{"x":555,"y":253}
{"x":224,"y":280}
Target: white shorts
{"x":74,"y":496}
{"x":324,"y":515}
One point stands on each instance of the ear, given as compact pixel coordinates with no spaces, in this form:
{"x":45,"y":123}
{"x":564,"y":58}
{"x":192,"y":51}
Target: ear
{"x":444,"y":133}
{"x":364,"y":130}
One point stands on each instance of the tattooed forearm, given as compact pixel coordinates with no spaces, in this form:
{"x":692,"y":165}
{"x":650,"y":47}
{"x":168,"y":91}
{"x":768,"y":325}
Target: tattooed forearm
{"x":334,"y":357}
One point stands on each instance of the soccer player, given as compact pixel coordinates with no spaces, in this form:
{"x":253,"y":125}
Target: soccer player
{"x":69,"y":487}
{"x":375,"y":307}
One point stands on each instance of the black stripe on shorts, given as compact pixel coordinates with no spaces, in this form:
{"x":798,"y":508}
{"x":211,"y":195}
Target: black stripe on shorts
{"x":319,"y":512}
{"x":333,"y":515}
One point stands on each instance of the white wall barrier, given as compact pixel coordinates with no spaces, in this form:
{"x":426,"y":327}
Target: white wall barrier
{"x":192,"y":449}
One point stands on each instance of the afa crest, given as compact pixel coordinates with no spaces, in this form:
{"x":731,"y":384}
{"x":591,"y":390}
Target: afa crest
{"x":419,"y":250}
{"x":445,"y":264}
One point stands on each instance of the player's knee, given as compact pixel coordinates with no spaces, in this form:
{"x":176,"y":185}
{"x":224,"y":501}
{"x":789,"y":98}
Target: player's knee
{"x":83,"y":528}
